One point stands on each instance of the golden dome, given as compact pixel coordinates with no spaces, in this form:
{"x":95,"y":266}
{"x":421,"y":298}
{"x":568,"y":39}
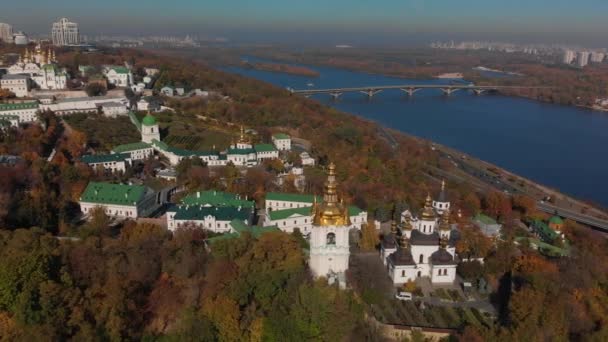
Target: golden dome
{"x":331,"y":212}
{"x":445,"y":221}
{"x":428,"y":213}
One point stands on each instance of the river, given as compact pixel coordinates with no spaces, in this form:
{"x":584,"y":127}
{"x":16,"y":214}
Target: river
{"x":558,"y":146}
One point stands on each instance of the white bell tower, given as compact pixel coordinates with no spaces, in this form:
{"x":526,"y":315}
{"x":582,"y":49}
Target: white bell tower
{"x":329,"y":239}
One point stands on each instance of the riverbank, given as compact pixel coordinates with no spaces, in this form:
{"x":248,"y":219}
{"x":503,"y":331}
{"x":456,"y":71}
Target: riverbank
{"x":282,"y":68}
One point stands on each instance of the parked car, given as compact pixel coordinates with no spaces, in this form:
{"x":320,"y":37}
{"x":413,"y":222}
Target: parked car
{"x":403,"y":295}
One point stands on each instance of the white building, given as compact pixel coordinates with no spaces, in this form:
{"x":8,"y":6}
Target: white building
{"x":329,"y":237}
{"x":17,"y":84}
{"x":114,"y":109}
{"x":6,"y":33}
{"x":118,"y":76}
{"x":213,"y":218}
{"x":568,"y":57}
{"x":136,"y":151}
{"x":116,"y":162}
{"x":282,"y":141}
{"x":306,"y":159}
{"x":20,"y":38}
{"x":295,"y":211}
{"x":81,"y":104}
{"x":167,"y":91}
{"x":582,"y":58}
{"x":65,"y":32}
{"x":597,"y":57}
{"x":422,"y":247}
{"x":265,"y":152}
{"x":119,"y":200}
{"x":23,"y":112}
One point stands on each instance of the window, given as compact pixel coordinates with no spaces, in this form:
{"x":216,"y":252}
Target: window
{"x":439,"y":272}
{"x":403,"y":273}
{"x":331,"y":239}
{"x":445,"y":271}
{"x":421,"y":259}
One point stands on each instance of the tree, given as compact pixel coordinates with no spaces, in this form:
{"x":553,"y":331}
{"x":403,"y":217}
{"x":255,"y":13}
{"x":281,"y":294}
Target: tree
{"x":95,"y":89}
{"x":369,"y":237}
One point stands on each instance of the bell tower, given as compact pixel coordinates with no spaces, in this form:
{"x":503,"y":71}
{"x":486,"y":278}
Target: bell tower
{"x":329,"y":242}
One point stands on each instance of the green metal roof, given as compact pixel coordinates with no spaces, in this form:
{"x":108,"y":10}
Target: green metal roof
{"x":161,"y":145}
{"x":4,"y":107}
{"x":135,"y":120}
{"x":120,"y":69}
{"x":354,"y":210}
{"x":217,"y":198}
{"x":286,"y":213}
{"x":302,"y":198}
{"x":240,"y":227}
{"x":131,"y":147}
{"x":264,"y":148}
{"x":104,"y":158}
{"x":148,"y":120}
{"x":199,"y":212}
{"x":556,"y":220}
{"x":240,"y":151}
{"x":546,"y":233}
{"x":108,"y":193}
{"x":485,"y":219}
{"x":281,"y":136}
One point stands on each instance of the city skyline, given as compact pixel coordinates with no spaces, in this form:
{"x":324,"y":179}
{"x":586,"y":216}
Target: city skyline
{"x":388,"y":21}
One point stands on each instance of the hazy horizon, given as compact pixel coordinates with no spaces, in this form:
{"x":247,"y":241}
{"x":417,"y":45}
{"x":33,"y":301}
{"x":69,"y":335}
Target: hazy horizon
{"x":341,"y":21}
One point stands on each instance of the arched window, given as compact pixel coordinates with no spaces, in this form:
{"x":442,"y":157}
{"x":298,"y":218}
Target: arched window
{"x":445,"y":271}
{"x":421,"y":259}
{"x":331,"y":239}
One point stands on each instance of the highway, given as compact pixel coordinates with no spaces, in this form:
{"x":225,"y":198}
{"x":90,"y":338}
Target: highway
{"x":573,"y":215}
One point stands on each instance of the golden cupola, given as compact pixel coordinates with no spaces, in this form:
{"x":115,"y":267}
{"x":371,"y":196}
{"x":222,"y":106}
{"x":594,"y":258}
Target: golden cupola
{"x":428,"y":213}
{"x":243,"y":137}
{"x":332,"y":212}
{"x":445,"y":221}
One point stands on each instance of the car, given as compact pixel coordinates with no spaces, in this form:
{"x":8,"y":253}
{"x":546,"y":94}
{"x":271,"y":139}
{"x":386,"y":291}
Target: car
{"x":403,"y":295}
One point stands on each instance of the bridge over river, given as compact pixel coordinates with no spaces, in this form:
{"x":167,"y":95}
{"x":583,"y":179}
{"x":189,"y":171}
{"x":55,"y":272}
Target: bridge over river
{"x":409,"y":89}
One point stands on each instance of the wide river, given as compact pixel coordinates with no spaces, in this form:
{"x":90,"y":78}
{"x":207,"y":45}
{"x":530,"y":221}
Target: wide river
{"x":559,"y":146}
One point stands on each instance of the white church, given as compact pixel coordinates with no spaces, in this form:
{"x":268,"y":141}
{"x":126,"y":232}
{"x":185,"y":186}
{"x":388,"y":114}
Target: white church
{"x":42,"y":68}
{"x":422,"y":246}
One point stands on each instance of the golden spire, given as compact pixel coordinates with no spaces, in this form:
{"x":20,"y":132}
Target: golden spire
{"x":428,"y":213}
{"x":404,"y":242}
{"x":332,"y":211}
{"x":242,"y":137}
{"x":443,"y":185}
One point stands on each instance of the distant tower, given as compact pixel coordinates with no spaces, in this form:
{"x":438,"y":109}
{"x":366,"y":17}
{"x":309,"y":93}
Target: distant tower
{"x":149,"y":129}
{"x":329,"y":244}
{"x":65,"y":32}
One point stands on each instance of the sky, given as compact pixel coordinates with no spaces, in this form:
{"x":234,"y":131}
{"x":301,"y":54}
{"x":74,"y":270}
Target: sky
{"x":552,"y":21}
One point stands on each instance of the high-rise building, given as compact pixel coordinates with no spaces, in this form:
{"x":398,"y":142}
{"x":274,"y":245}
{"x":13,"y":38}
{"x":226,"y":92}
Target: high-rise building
{"x":20,"y":38}
{"x":568,"y":57}
{"x":65,"y":33}
{"x":6,"y":33}
{"x":597,"y":57}
{"x":582,"y":58}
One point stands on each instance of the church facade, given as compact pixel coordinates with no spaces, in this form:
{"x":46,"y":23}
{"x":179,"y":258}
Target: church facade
{"x":42,"y":68}
{"x":422,"y":246}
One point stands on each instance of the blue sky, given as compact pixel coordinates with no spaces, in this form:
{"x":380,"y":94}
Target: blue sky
{"x":517,"y":19}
